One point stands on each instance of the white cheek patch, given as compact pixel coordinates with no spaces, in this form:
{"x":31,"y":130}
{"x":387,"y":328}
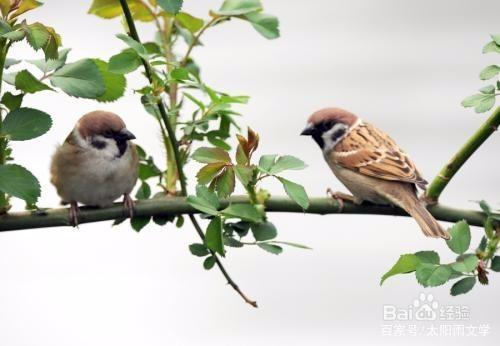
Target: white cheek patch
{"x":334,"y":136}
{"x":109,"y":152}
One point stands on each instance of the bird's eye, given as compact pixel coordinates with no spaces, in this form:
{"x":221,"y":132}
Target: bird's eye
{"x":108,"y":134}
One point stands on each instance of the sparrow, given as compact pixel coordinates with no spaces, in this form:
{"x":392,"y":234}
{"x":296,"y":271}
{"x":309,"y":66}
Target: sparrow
{"x":371,"y":165}
{"x":96,"y":164}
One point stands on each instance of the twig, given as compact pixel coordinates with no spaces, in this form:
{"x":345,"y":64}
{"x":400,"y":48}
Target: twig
{"x":451,"y":168}
{"x":177,"y":156}
{"x":170,"y":206}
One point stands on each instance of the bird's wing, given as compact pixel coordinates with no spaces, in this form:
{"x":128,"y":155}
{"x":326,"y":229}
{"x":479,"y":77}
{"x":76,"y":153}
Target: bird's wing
{"x":369,"y":151}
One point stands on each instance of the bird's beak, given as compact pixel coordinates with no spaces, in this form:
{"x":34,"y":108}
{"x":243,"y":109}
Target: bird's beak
{"x":127,"y":135}
{"x":308,"y":131}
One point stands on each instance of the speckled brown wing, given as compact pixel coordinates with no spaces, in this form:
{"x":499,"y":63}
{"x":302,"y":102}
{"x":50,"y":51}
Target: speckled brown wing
{"x":369,"y":151}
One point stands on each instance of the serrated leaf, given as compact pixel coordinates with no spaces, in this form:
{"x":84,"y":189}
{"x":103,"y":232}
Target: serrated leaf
{"x":431,"y":275}
{"x":114,"y":83}
{"x":495,"y":264}
{"x":213,"y":236}
{"x":28,"y":83}
{"x":489,"y":89}
{"x":207,"y":195}
{"x":463,"y":286}
{"x":266,"y":24}
{"x":245,"y":212}
{"x":144,"y":191}
{"x":193,"y":24}
{"x":244,"y":174}
{"x":26,"y":123}
{"x":25,"y":6}
{"x":296,"y":192}
{"x":460,"y":237}
{"x":52,"y":64}
{"x":124,"y":62}
{"x":225,"y":182}
{"x":208,"y":172}
{"x":264,"y":231}
{"x":428,"y":257}
{"x":405,"y":264}
{"x":466,"y":264}
{"x":139,"y":222}
{"x":16,"y":35}
{"x":136,"y":46}
{"x":485,"y":104}
{"x":170,"y":6}
{"x":209,"y":262}
{"x":239,"y":7}
{"x":271,"y":248}
{"x":12,"y":101}
{"x":211,"y":155}
{"x":199,"y":250}
{"x":229,"y":241}
{"x":80,"y":79}
{"x":489,"y":72}
{"x":285,"y":163}
{"x":201,"y":205}
{"x":36,"y":35}
{"x":266,"y":162}
{"x":17,"y":181}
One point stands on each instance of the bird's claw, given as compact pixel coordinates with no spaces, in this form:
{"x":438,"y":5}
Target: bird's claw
{"x":129,"y":205}
{"x":73,"y":214}
{"x":340,"y":197}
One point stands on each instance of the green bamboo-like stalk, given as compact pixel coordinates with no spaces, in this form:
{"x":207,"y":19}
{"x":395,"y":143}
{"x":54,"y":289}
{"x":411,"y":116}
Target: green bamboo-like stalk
{"x":451,"y":168}
{"x":170,"y":206}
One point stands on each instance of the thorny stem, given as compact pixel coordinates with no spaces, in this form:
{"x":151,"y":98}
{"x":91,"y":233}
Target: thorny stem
{"x":4,"y":47}
{"x":175,"y":147}
{"x":451,"y":168}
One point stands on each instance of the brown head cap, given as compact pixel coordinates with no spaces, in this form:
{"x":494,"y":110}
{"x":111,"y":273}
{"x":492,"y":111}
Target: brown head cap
{"x":99,"y":122}
{"x":338,"y":115}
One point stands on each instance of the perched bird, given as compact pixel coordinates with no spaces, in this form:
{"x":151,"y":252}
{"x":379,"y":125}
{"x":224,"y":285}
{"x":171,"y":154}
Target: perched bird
{"x":370,"y":164}
{"x":96,"y":164}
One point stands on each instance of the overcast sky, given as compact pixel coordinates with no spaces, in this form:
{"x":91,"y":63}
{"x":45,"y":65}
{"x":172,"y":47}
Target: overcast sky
{"x":402,"y":65}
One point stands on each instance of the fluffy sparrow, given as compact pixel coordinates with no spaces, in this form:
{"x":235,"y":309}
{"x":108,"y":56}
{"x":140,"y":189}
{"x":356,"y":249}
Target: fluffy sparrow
{"x":370,"y":164}
{"x":96,"y":164}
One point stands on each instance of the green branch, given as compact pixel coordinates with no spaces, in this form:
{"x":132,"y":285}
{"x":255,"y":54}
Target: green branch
{"x":451,"y":168}
{"x":170,"y":206}
{"x":177,"y":157}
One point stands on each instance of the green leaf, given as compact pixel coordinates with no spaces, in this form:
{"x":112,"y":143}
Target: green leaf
{"x":193,"y":24}
{"x":271,"y":248}
{"x":495,"y":264}
{"x":480,"y":102}
{"x":239,"y":7}
{"x":466,"y":264}
{"x":80,"y":79}
{"x":225,"y":182}
{"x":36,"y":35}
{"x":211,"y":155}
{"x":139,"y":222}
{"x":28,"y":83}
{"x":209,"y":262}
{"x":285,"y":163}
{"x":26,"y":123}
{"x":207,"y":195}
{"x":144,"y":191}
{"x":266,"y":24}
{"x":428,"y":257}
{"x":208,"y":172}
{"x":199,"y":250}
{"x":17,"y":181}
{"x":111,"y":9}
{"x":180,"y":74}
{"x":266,"y":162}
{"x":460,"y":237}
{"x":496,"y":38}
{"x":489,"y":72}
{"x":431,"y":275}
{"x":51,"y":64}
{"x":124,"y":62}
{"x":296,"y":192}
{"x":264,"y":231}
{"x":489,"y":89}
{"x":15,"y":36}
{"x":170,"y":6}
{"x":25,"y":6}
{"x":148,"y":170}
{"x":244,"y":174}
{"x":463,"y":286}
{"x":162,"y":220}
{"x":482,"y":244}
{"x":299,"y":246}
{"x":137,"y":46}
{"x":485,"y":207}
{"x":114,"y":83}
{"x":10,"y":62}
{"x":12,"y":101}
{"x":245,"y":212}
{"x":201,"y":205}
{"x":491,"y":47}
{"x":213,"y":236}
{"x":405,"y":264}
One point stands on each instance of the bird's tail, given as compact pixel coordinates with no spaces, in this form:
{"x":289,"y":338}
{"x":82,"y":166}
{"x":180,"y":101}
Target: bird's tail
{"x":416,"y":208}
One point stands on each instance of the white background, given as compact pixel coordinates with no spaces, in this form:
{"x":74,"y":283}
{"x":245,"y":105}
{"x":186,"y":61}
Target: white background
{"x":404,"y":66}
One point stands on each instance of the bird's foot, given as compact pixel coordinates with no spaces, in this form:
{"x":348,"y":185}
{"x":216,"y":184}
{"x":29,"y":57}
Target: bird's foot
{"x":129,"y":205}
{"x":73,"y":214}
{"x":340,"y":197}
